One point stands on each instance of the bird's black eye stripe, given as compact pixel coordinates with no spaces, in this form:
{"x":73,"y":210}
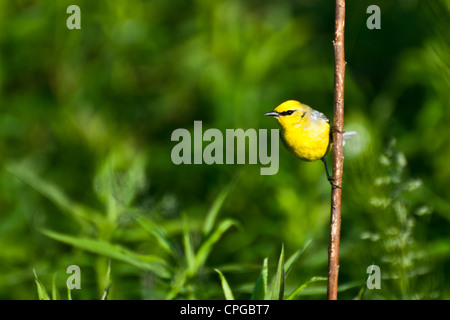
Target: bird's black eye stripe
{"x":287,"y":113}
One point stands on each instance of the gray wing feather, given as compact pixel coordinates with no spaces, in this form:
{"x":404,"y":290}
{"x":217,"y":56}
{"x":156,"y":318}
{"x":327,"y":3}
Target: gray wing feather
{"x":318,"y":115}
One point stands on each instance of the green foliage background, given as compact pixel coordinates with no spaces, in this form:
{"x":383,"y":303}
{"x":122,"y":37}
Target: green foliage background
{"x":86,"y":118}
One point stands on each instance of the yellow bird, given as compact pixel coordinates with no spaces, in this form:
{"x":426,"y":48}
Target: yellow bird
{"x":305,"y":132}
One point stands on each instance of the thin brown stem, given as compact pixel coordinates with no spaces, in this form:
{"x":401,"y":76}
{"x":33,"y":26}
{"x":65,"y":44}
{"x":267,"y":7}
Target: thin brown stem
{"x":338,"y":155}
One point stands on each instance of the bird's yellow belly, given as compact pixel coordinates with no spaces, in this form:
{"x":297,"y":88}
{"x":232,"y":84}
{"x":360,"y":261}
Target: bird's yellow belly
{"x":308,"y":145}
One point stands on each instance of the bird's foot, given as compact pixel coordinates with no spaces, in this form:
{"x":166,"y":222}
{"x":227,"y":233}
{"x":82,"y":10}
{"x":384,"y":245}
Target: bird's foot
{"x":334,"y":129}
{"x":334,"y":185}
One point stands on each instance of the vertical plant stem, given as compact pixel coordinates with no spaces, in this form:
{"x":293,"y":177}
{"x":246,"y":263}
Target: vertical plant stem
{"x":338,"y":155}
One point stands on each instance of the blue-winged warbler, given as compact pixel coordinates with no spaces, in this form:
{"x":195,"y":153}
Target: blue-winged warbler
{"x":305,"y":132}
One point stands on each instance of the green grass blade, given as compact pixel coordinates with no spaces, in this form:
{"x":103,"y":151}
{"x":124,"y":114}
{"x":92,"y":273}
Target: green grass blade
{"x":322,"y":289}
{"x":181,"y":276}
{"x":188,"y":250}
{"x":157,"y":233}
{"x":178,"y":281}
{"x":260,"y":289}
{"x":303,"y":286}
{"x":277,"y":289}
{"x":144,"y":262}
{"x":42,"y":292}
{"x":55,"y":293}
{"x":205,"y":249}
{"x":55,"y":195}
{"x":118,"y":180}
{"x":225,"y":286}
{"x":215,"y":208}
{"x":360,"y":294}
{"x":294,"y":258}
{"x":108,"y":282}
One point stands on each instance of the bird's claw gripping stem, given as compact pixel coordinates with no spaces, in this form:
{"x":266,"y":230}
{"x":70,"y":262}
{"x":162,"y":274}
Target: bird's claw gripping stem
{"x":331,"y":181}
{"x":334,"y":129}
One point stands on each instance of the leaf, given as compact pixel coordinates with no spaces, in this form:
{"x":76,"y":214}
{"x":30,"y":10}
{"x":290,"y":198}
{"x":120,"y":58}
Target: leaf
{"x":55,"y":195}
{"x":205,"y":249}
{"x":360,"y":294}
{"x":188,"y":250}
{"x":293,"y":259}
{"x":181,"y":276}
{"x":108,"y":282}
{"x":303,"y":286}
{"x":144,"y":262}
{"x":260,"y":289}
{"x":55,"y":293}
{"x":277,"y":289}
{"x":225,"y":286}
{"x":178,"y":281}
{"x":42,"y":292}
{"x":157,"y":233}
{"x":215,"y":208}
{"x":119,"y":179}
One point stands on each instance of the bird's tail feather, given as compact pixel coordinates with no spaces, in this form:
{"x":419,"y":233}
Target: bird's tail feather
{"x":348,"y":135}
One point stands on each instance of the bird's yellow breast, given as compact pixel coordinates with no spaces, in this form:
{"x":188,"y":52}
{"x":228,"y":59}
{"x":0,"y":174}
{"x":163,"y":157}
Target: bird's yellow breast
{"x":308,"y":139}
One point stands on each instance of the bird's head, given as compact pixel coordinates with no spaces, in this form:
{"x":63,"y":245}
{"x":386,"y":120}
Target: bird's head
{"x":290,"y":113}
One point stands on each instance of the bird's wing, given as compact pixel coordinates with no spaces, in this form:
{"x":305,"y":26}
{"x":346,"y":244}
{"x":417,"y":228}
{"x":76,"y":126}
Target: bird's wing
{"x":316,"y":115}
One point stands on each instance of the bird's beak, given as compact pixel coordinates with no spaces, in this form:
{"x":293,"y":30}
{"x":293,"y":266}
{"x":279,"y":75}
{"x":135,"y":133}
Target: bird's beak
{"x":272,"y":114}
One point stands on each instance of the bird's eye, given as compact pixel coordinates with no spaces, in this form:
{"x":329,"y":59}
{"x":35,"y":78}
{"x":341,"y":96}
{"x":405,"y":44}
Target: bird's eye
{"x":287,"y":113}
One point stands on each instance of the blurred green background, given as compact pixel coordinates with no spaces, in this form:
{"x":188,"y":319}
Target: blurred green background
{"x":86,"y":118}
